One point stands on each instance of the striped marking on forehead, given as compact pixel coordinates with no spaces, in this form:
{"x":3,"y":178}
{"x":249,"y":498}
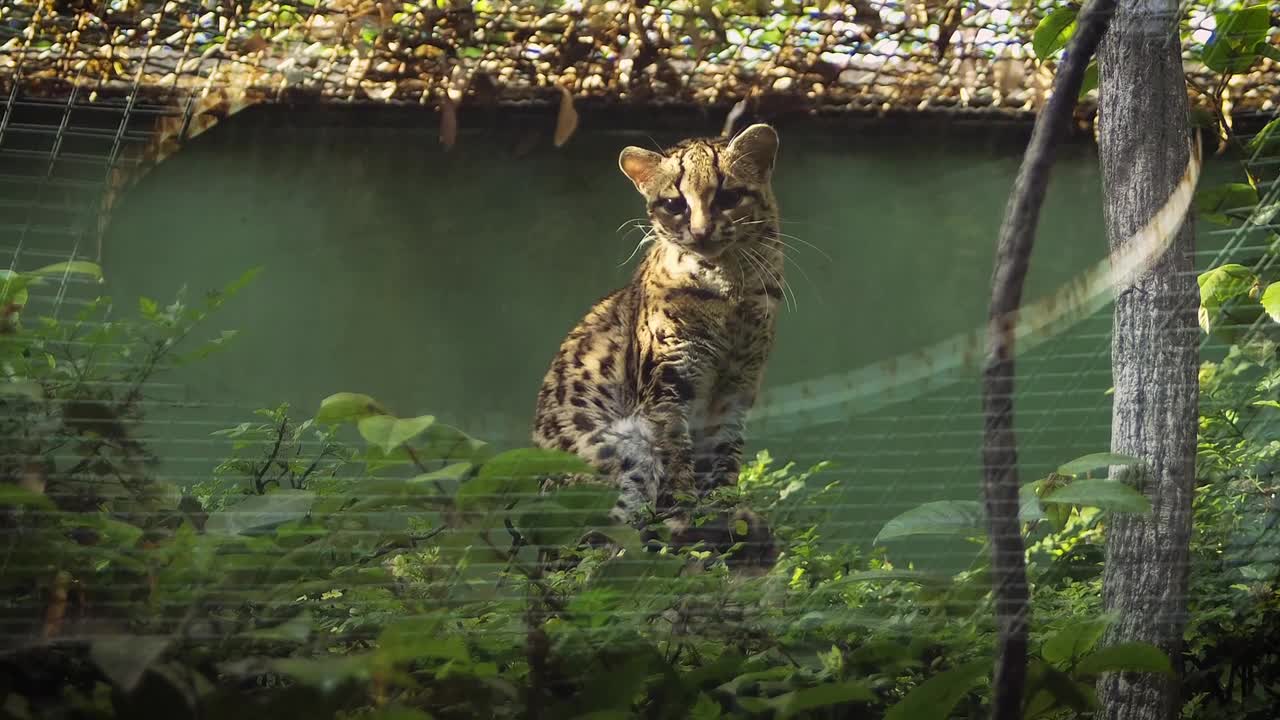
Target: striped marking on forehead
{"x":699,"y":171}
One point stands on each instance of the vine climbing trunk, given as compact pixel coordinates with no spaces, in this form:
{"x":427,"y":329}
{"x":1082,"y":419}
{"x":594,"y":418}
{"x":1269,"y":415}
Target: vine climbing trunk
{"x":1143,"y":138}
{"x":999,"y":445}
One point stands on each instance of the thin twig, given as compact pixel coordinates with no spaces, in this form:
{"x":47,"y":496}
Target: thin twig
{"x":258,"y":484}
{"x":999,"y":453}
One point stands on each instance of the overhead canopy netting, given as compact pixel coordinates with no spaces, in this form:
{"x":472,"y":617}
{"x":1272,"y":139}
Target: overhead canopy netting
{"x":864,"y":55}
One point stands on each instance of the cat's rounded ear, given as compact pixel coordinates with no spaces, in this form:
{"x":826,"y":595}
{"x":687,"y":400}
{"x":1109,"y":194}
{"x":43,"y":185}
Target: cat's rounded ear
{"x":639,"y":164}
{"x":753,"y":152}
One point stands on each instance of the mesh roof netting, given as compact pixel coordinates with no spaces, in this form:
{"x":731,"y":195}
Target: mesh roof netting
{"x":862,"y":55}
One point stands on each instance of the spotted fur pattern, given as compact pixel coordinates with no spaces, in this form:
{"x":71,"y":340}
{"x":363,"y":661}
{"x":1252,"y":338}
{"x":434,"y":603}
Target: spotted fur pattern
{"x":653,"y":386}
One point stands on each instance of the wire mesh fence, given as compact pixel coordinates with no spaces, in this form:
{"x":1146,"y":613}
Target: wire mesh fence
{"x":445,"y":561}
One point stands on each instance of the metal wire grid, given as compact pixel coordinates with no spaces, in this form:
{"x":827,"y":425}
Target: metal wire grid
{"x":57,"y":155}
{"x":867,"y":54}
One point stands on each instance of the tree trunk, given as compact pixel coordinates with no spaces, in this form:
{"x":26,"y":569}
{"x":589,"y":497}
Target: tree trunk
{"x":1143,"y":139}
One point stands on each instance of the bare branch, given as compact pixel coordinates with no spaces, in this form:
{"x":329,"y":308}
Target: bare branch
{"x":999,"y":451}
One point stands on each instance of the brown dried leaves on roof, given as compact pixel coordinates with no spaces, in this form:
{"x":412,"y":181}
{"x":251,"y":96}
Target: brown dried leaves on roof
{"x":866,"y":54}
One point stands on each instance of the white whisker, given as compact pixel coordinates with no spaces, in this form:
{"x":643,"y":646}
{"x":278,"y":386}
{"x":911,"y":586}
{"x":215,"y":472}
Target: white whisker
{"x":756,"y":271}
{"x":792,"y":303}
{"x":628,"y":221}
{"x":781,"y":235}
{"x":647,"y":237}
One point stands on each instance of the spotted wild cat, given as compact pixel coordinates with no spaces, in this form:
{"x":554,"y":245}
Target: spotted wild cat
{"x":653,"y":386}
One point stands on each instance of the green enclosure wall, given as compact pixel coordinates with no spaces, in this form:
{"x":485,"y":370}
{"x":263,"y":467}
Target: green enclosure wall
{"x":442,"y":282}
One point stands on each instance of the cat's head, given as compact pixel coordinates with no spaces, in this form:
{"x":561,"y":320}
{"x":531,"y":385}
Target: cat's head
{"x":708,"y":195}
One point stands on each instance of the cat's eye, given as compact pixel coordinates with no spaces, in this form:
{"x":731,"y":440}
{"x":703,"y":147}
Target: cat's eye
{"x":673,"y":205}
{"x":727,"y":199}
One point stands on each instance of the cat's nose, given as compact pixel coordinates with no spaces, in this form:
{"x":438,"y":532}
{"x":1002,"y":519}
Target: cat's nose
{"x":700,"y":236}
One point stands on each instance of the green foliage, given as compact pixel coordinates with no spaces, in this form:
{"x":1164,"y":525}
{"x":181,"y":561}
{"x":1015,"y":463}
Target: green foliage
{"x":1054,"y":32}
{"x":1239,"y":40}
{"x":1233,"y":600}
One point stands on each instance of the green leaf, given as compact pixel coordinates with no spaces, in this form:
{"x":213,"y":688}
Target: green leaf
{"x":564,"y":516}
{"x":13,"y":287}
{"x":944,"y":517}
{"x":1087,"y":463}
{"x":258,"y":512}
{"x":535,"y":463}
{"x":1029,"y":509}
{"x":1271,"y":301}
{"x":445,"y":442}
{"x":515,"y":474}
{"x":789,"y":704}
{"x":12,"y":495}
{"x":1221,"y":285}
{"x":1090,"y":79}
{"x":705,"y":708}
{"x":388,"y":432}
{"x":935,"y":698}
{"x":116,"y":533}
{"x":1062,"y":690}
{"x":1214,"y":203}
{"x":1073,"y":641}
{"x":1101,"y":493}
{"x":326,"y":673}
{"x":1267,"y":139}
{"x":1126,"y":657}
{"x":295,"y":630}
{"x":26,"y":388}
{"x":1267,"y":50}
{"x":75,"y":267}
{"x":548,"y":524}
{"x":124,"y":659}
{"x":1053,"y":32}
{"x":446,"y":477}
{"x":591,"y":503}
{"x":347,"y":407}
{"x":634,"y":571}
{"x":1233,"y":46}
{"x":239,"y":283}
{"x":487,"y":492}
{"x":419,"y":639}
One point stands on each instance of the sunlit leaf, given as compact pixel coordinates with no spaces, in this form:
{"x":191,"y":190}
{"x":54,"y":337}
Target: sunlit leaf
{"x":1053,"y":32}
{"x":1090,"y":81}
{"x":74,"y":267}
{"x":1101,"y":493}
{"x":1271,"y":301}
{"x":347,"y":407}
{"x":935,"y":698}
{"x":1073,"y":641}
{"x":797,"y":701}
{"x":326,"y":673}
{"x":1127,"y":657}
{"x":1221,"y":285}
{"x":1087,"y":463}
{"x":944,"y":517}
{"x":1267,"y":139}
{"x":261,"y":511}
{"x":1233,"y":46}
{"x":388,"y":432}
{"x":12,"y":495}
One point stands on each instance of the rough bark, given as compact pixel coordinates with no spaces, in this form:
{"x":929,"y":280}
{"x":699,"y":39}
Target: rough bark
{"x":999,"y":449}
{"x":1143,"y":138}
